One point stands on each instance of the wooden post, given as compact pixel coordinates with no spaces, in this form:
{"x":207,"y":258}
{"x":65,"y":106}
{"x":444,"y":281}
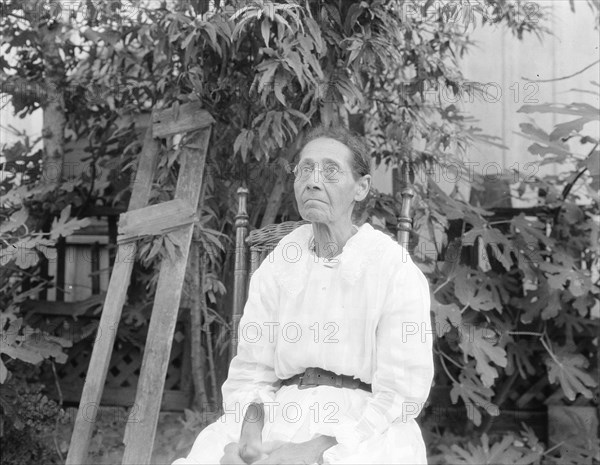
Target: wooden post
{"x":240,"y":274}
{"x":176,"y":218}
{"x":111,"y":314}
{"x":139,"y":435}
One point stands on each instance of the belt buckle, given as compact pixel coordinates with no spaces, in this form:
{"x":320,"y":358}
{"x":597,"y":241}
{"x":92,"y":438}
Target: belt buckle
{"x":305,"y":385}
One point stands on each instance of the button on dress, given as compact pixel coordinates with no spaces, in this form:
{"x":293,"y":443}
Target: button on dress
{"x":364,"y":313}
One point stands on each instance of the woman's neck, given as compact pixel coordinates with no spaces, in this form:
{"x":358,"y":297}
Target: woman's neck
{"x":331,"y":239}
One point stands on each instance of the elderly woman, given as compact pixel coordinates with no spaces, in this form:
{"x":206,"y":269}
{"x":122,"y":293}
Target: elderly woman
{"x":334,"y":361}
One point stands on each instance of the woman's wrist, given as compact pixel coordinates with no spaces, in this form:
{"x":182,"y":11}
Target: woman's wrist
{"x":250,"y":444}
{"x":320,"y":444}
{"x":253,"y":423}
{"x":323,"y":442}
{"x":328,"y":441}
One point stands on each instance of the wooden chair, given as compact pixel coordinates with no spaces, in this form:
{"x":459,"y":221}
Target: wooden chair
{"x":252,"y":248}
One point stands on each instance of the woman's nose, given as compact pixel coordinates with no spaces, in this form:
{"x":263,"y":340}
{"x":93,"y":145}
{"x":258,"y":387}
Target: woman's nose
{"x":313,"y":181}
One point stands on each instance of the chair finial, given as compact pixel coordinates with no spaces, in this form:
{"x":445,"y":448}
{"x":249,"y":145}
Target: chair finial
{"x":404,"y":219}
{"x":241,"y":218}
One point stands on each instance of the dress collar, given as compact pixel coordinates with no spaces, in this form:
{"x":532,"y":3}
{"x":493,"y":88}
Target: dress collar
{"x":311,"y":242}
{"x":358,"y":250}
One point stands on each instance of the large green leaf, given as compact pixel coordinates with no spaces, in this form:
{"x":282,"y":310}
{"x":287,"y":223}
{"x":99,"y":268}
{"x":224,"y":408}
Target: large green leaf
{"x":582,"y":110}
{"x":553,"y":144}
{"x":64,"y":226}
{"x":481,"y":344}
{"x":520,"y":355}
{"x":504,"y":452}
{"x":542,"y":301}
{"x":446,"y":316}
{"x":543,"y":145}
{"x":474,"y":395}
{"x":493,"y":238}
{"x":561,"y":276}
{"x":16,"y":220}
{"x":532,"y":230}
{"x":477,"y":290}
{"x":3,"y":372}
{"x":31,"y":346}
{"x":569,"y":369}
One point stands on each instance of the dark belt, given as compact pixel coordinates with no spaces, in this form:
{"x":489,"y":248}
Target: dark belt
{"x":318,"y":377}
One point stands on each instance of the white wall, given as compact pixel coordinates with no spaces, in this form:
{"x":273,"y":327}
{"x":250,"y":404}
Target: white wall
{"x":507,"y":64}
{"x":32,"y":124}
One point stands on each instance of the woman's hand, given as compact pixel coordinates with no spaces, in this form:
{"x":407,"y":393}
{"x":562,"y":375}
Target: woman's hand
{"x":308,"y":452}
{"x":234,"y":455}
{"x":231,"y":455}
{"x":251,"y":451}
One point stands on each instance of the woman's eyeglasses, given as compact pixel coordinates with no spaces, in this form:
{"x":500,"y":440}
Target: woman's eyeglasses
{"x":302,"y":171}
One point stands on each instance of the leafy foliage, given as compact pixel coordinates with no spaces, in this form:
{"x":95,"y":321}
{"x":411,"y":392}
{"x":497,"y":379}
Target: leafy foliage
{"x":23,"y":245}
{"x":28,"y":417}
{"x":522,"y":288}
{"x":570,"y":370}
{"x":506,"y":291}
{"x":506,"y":452}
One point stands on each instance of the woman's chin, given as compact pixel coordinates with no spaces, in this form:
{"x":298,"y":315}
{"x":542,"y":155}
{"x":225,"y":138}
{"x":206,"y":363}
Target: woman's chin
{"x":313,"y":216}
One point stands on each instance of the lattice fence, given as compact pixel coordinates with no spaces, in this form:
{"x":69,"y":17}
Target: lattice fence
{"x":124,"y":368}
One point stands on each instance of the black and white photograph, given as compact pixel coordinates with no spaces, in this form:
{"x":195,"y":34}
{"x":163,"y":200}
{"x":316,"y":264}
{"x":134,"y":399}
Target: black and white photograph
{"x":281,"y":232}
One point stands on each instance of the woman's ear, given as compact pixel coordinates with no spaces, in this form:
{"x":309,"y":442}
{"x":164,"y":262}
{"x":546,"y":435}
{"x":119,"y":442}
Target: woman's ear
{"x":363,"y":188}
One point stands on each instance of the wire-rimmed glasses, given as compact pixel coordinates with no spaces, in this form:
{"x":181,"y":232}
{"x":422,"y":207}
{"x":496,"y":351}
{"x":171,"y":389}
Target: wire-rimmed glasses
{"x":303,"y":170}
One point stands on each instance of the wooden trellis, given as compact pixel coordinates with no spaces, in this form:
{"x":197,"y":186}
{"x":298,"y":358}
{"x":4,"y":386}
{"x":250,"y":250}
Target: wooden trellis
{"x":125,"y":363}
{"x":175,"y":217}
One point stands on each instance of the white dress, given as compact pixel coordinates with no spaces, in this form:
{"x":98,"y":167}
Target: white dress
{"x":365,"y":313}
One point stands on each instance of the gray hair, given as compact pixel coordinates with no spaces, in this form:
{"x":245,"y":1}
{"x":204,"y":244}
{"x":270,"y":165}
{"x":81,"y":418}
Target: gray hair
{"x":361,"y":164}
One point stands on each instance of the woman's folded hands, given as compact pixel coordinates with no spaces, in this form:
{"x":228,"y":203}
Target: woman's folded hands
{"x":252,"y":450}
{"x":308,"y":452}
{"x":235,"y":454}
{"x":277,"y":452}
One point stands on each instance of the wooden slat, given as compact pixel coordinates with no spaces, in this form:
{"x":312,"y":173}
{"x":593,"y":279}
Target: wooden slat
{"x":95,"y":275}
{"x":156,"y":219}
{"x":112,"y":239}
{"x":70,"y":309}
{"x":138,"y":435}
{"x":191,"y":116}
{"x":111,"y":314}
{"x":60,"y":269}
{"x":173,"y":400}
{"x":145,"y":173}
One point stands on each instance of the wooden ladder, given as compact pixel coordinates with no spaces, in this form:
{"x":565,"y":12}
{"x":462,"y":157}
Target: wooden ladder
{"x":175,"y":217}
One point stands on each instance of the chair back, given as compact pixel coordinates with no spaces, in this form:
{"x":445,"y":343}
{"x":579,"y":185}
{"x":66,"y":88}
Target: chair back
{"x":252,"y":248}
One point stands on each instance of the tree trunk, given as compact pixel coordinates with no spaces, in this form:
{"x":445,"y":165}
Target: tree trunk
{"x":197,"y":302}
{"x":274,"y":202}
{"x":196,"y":290}
{"x":276,"y":195}
{"x":54,"y":120}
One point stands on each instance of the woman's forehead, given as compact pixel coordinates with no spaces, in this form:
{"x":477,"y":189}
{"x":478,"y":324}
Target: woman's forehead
{"x":325,"y":149}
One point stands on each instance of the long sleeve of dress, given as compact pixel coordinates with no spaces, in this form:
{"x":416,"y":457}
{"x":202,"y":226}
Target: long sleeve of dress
{"x":251,"y":376}
{"x":404,"y":359}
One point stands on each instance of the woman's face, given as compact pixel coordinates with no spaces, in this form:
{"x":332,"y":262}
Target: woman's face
{"x":326,"y":189}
